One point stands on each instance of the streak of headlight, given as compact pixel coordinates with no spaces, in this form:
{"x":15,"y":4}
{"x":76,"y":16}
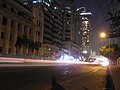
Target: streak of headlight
{"x":22,"y":60}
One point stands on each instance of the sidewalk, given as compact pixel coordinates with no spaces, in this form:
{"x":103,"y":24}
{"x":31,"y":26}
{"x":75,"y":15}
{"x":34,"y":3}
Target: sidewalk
{"x":115,"y":70}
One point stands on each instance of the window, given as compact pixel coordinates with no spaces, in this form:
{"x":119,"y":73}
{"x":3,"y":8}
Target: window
{"x":18,"y":26}
{"x":11,"y":24}
{"x":39,"y":15}
{"x":38,"y":33}
{"x":4,"y":22}
{"x":39,"y":23}
{"x":12,"y":10}
{"x":34,"y":1}
{"x":9,"y":50}
{"x":2,"y":35}
{"x":30,"y":31}
{"x":4,"y":5}
{"x":10,"y":37}
{"x":0,"y":49}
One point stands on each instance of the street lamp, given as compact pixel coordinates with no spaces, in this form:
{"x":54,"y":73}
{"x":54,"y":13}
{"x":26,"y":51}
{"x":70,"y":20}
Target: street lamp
{"x":103,"y":35}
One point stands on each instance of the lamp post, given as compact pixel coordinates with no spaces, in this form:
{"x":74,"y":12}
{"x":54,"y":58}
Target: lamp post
{"x":104,"y":35}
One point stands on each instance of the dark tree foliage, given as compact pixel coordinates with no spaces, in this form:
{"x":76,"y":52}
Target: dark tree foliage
{"x":114,"y":18}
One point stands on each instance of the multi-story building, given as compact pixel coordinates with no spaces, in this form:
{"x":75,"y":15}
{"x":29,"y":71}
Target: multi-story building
{"x":85,"y":33}
{"x":39,"y":27}
{"x":19,"y":34}
{"x":15,"y":20}
{"x":53,"y":23}
{"x":85,"y":28}
{"x":38,"y":21}
{"x":71,"y":31}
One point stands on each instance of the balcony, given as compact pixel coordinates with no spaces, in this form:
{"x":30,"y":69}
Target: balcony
{"x":58,"y":21}
{"x":48,"y":30}
{"x":49,"y":14}
{"x":57,"y":40}
{"x":46,"y":17}
{"x":57,"y":35}
{"x":48,"y":24}
{"x":56,"y":25}
{"x":47,"y":35}
{"x":46,"y":41}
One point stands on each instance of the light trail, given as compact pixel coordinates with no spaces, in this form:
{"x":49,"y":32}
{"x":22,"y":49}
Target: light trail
{"x":22,"y":60}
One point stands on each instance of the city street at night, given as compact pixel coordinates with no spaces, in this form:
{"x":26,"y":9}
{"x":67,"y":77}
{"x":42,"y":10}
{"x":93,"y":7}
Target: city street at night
{"x":57,"y":77}
{"x":59,"y":44}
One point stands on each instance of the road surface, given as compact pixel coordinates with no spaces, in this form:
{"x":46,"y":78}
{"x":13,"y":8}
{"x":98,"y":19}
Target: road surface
{"x":52,"y":77}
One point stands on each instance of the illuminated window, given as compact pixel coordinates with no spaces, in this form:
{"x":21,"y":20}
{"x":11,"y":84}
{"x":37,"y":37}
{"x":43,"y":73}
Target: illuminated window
{"x":55,"y":8}
{"x":39,"y":0}
{"x":25,"y":3}
{"x":50,"y":0}
{"x":34,"y":1}
{"x":67,"y":7}
{"x":69,"y":11}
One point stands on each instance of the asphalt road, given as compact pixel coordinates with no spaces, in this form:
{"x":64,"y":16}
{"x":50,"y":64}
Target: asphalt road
{"x":54,"y":77}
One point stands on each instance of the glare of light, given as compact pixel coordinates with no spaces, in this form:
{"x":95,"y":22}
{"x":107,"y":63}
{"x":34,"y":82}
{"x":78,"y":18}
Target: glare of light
{"x":85,"y":52}
{"x":103,"y":35}
{"x":66,"y":57}
{"x":34,"y":1}
{"x":102,"y":60}
{"x":86,"y":22}
{"x":55,"y":7}
{"x":86,"y":13}
{"x":105,"y":64}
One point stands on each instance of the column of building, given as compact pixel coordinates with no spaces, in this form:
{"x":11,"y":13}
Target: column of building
{"x":14,"y":38}
{"x":33,"y":38}
{"x":20,"y":33}
{"x":7,"y":37}
{"x":24,"y":46}
{"x":1,"y":19}
{"x":27,"y":35}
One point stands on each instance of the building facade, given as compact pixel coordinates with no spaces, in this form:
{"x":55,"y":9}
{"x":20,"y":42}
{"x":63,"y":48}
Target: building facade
{"x":18,"y":35}
{"x":53,"y":24}
{"x":71,"y":29}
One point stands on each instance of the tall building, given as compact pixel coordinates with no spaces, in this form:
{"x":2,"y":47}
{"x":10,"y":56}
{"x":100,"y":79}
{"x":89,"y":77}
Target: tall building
{"x":71,"y":32}
{"x":53,"y":24}
{"x":85,"y":29}
{"x":85,"y":33}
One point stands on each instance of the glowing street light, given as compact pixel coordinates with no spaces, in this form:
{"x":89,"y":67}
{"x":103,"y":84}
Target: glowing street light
{"x":103,"y":35}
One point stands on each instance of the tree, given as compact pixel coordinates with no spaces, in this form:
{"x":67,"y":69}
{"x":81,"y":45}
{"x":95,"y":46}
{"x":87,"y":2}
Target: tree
{"x":114,"y":18}
{"x":112,"y":53}
{"x":105,"y":51}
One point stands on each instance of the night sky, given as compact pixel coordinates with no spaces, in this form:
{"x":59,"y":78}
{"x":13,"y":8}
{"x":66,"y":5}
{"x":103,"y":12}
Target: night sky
{"x":98,"y":9}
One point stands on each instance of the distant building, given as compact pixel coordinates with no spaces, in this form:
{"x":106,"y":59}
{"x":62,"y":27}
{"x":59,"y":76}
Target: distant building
{"x":85,"y":29}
